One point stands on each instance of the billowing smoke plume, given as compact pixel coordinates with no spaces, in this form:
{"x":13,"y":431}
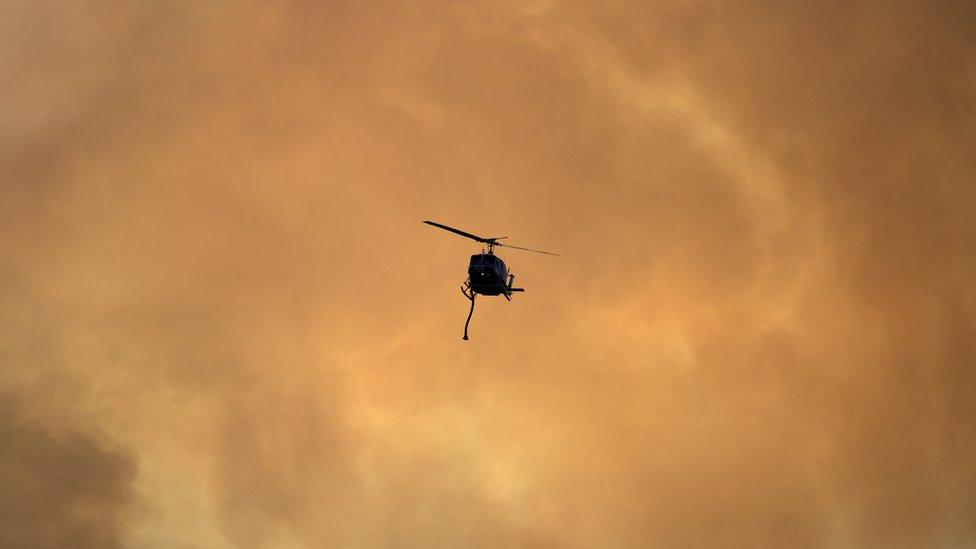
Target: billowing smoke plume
{"x":223,"y":325}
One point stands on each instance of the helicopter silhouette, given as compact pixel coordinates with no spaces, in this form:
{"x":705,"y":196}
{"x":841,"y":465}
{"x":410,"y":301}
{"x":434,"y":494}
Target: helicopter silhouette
{"x":487,"y":273}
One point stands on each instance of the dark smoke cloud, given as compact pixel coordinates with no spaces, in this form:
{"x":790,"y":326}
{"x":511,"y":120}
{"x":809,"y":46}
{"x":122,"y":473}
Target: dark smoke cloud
{"x":60,"y":488}
{"x":760,"y":332}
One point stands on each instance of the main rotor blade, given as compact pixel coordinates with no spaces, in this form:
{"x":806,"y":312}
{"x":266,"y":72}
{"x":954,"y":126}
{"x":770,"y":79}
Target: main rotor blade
{"x":526,"y":249}
{"x":462,"y":233}
{"x":492,"y":241}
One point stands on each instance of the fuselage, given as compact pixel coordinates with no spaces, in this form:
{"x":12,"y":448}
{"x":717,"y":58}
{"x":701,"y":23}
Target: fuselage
{"x":487,"y":274}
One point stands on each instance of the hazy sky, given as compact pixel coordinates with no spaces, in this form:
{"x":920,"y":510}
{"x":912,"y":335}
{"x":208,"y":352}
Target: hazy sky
{"x":222,"y":323}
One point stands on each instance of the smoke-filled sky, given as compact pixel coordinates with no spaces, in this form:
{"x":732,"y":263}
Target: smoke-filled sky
{"x":222,"y":323}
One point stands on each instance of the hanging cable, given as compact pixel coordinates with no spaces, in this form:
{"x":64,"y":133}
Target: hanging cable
{"x":470,"y":295}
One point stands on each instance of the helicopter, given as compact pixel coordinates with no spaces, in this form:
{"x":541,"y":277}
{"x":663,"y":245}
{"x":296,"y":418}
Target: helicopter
{"x":487,"y":273}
